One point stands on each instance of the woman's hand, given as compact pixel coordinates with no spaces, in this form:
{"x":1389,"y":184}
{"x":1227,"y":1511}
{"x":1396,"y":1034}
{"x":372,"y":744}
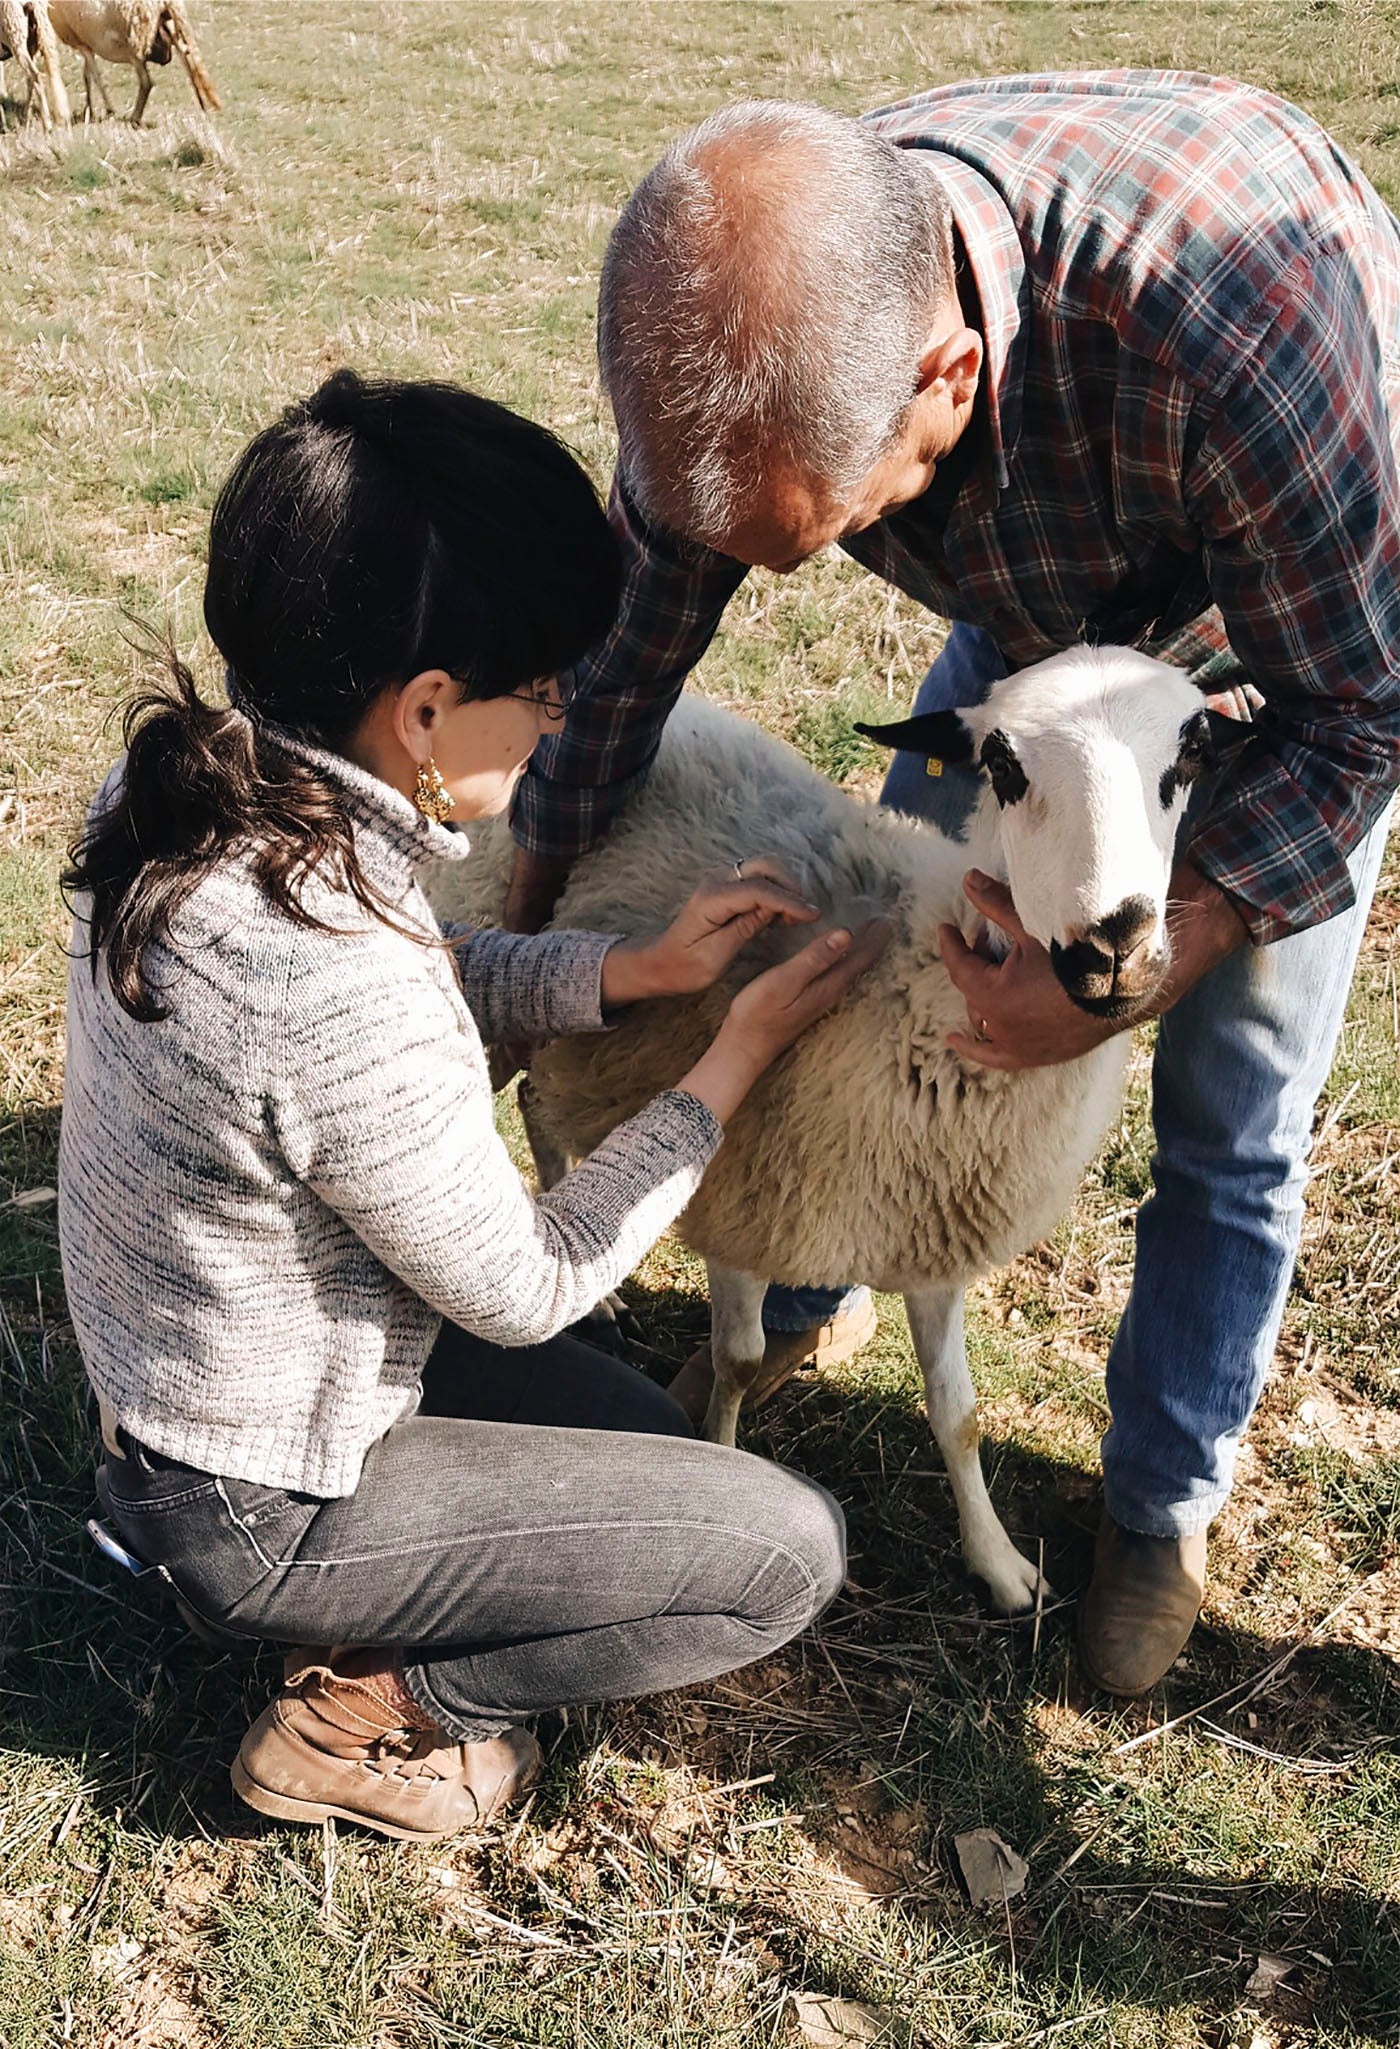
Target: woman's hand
{"x":718,"y":922}
{"x":776,"y":1008}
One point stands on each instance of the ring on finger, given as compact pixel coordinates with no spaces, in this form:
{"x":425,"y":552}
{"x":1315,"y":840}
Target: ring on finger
{"x":739,"y":870}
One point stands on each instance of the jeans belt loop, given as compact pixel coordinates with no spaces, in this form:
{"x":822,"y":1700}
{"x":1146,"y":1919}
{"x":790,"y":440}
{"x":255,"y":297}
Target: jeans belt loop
{"x":107,"y":1422}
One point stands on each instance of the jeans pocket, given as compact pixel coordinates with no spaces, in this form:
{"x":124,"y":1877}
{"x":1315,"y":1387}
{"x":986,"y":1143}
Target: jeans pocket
{"x":270,"y":1520}
{"x":142,"y":1493}
{"x":214,"y":1540}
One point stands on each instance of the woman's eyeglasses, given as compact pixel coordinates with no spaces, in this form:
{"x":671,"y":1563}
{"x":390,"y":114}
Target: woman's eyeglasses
{"x":553,"y":697}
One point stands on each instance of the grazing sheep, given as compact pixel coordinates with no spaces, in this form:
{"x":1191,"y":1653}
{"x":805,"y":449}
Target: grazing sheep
{"x":871,"y":1151}
{"x":135,"y":32}
{"x":26,"y":34}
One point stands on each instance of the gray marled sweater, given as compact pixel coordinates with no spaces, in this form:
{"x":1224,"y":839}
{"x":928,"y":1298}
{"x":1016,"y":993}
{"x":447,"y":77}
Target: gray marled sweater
{"x":269,"y":1201}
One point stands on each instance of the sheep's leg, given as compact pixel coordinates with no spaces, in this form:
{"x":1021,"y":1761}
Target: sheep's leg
{"x":143,"y":93}
{"x":552,"y":1163}
{"x":92,"y":76}
{"x":736,"y":1347}
{"x":936,"y":1323}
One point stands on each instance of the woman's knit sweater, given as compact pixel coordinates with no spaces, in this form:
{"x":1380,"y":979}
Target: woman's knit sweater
{"x":270,"y":1199}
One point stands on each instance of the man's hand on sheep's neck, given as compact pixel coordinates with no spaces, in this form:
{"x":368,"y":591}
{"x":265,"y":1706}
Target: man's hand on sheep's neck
{"x":1024,"y":1017}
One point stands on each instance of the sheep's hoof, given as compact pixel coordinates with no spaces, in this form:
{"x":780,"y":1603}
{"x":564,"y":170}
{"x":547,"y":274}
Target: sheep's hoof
{"x":1013,"y":1582}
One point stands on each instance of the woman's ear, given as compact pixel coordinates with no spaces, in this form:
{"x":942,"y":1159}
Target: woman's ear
{"x":418,"y":707}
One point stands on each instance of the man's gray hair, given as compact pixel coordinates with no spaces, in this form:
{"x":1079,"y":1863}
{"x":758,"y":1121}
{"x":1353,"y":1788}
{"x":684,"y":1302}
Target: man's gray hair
{"x":768,"y":289}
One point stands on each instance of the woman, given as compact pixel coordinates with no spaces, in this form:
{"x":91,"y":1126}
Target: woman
{"x":321,"y":1313}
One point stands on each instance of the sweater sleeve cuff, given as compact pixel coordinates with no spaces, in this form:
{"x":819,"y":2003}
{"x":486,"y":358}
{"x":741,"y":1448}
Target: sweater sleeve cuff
{"x":534,"y":985}
{"x":667,"y":1144}
{"x":697,"y":1129}
{"x":576,"y":992}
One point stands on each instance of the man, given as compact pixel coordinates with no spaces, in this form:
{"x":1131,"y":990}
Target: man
{"x":1112,"y":356}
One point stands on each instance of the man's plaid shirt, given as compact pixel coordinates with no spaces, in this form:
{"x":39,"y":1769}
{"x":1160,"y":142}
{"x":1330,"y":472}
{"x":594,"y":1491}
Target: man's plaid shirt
{"x":1191,"y":307}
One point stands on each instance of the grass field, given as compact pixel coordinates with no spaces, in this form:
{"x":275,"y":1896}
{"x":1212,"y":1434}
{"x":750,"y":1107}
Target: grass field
{"x":424,"y":188}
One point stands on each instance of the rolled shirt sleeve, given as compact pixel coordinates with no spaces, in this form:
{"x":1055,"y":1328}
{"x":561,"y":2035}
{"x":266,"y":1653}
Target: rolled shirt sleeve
{"x":1296,"y":490}
{"x":673,"y":598}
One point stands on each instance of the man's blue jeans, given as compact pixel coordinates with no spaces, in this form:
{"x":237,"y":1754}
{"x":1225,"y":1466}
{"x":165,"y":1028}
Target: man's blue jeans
{"x":1240,"y":1063}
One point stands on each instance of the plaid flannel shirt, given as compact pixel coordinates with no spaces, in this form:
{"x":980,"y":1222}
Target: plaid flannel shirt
{"x":1190,"y":302}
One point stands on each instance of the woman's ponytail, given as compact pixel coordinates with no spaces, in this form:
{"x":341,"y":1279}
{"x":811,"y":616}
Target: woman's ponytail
{"x":199,"y":781}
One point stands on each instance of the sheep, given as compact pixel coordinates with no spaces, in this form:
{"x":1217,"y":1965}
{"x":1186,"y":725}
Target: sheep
{"x":870,"y":1151}
{"x":135,"y":32}
{"x":26,"y":34}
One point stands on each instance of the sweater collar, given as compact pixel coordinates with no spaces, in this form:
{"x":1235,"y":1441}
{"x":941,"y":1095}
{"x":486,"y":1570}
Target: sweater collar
{"x":393,"y":840}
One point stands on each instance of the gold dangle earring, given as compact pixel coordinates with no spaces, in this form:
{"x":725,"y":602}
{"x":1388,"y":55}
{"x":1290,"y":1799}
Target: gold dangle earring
{"x":431,"y":794}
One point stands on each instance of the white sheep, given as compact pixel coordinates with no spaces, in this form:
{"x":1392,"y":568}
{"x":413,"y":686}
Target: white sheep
{"x":871,"y":1152}
{"x":26,"y":34}
{"x":135,"y":32}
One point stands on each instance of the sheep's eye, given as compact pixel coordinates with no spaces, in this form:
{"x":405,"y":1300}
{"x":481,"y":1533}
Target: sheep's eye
{"x":1008,"y":778}
{"x":1195,"y":754}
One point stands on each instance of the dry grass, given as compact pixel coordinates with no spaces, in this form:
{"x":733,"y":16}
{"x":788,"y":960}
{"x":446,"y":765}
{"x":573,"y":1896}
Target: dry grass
{"x":427,"y":189}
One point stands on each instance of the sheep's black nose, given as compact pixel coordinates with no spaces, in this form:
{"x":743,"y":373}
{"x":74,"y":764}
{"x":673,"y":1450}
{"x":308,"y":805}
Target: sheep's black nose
{"x":1112,"y":962}
{"x":1123,"y":931}
{"x":1085,"y":969}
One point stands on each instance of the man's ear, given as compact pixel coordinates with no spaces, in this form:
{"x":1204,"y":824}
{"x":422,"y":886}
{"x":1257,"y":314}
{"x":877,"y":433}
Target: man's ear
{"x":954,"y":362}
{"x":938,"y":735}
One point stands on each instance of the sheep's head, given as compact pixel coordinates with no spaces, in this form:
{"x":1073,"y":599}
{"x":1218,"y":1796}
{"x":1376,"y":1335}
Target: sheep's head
{"x":1087,"y":758}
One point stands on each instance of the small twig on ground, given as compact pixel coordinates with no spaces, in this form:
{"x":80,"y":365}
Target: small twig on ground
{"x":328,"y":1856}
{"x":1311,"y":1767}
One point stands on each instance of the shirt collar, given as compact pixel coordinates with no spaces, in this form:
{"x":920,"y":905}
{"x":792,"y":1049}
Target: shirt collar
{"x":998,"y":266}
{"x":393,"y":840}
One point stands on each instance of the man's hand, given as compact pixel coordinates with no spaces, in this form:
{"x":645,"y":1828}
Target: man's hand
{"x":1022,"y":1017}
{"x":720,"y":919}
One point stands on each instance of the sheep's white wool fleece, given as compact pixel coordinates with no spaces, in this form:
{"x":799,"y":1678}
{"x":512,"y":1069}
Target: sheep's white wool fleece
{"x":869,"y":1152}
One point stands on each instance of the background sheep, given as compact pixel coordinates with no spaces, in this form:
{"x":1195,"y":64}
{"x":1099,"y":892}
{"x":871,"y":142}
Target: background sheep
{"x":135,"y":32}
{"x":871,"y":1152}
{"x":26,"y":34}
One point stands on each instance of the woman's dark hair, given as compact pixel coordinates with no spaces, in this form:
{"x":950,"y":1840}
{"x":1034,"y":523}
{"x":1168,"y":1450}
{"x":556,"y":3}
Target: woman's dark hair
{"x":376,"y":530}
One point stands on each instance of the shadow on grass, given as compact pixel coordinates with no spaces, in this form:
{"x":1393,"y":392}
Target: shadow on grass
{"x":1158,"y":1874}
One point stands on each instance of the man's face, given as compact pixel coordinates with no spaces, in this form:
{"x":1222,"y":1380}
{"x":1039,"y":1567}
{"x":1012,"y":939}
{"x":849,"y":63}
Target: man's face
{"x":795,"y":515}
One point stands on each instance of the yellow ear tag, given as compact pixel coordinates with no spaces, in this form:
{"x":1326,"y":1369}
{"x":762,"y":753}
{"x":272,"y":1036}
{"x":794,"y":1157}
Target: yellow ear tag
{"x":933,"y":766}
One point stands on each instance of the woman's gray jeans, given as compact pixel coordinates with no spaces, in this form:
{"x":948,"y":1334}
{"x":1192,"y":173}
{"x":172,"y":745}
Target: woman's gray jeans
{"x":544,"y":1531}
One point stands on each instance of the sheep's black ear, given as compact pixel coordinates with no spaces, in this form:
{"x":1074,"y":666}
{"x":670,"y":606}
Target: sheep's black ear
{"x":940,"y":735}
{"x":1225,"y":732}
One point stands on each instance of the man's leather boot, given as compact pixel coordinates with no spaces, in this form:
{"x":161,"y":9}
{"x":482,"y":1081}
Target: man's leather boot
{"x":785,"y":1353}
{"x":333,"y":1744}
{"x":1140,"y":1607}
